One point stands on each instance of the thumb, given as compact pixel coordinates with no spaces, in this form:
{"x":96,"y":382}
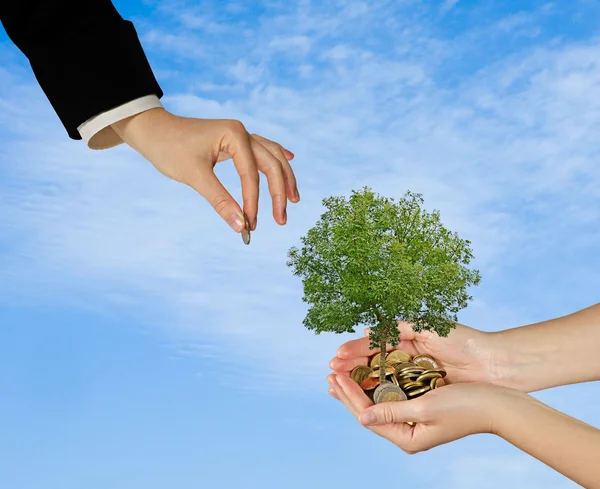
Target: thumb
{"x":388,"y":413}
{"x":209,"y":186}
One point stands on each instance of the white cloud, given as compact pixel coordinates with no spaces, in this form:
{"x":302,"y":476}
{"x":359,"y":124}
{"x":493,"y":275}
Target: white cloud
{"x":508,"y":154}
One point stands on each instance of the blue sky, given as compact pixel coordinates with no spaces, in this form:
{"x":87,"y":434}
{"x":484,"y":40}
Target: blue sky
{"x":142,"y":345}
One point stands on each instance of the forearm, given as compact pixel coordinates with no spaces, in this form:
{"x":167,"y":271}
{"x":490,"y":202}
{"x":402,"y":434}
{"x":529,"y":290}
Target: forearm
{"x":568,"y":445}
{"x":85,"y":56}
{"x":550,"y":353}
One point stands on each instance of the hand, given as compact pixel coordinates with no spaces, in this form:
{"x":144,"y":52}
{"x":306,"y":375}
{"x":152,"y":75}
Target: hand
{"x":467,"y":354}
{"x":187,"y":150}
{"x":442,"y":415}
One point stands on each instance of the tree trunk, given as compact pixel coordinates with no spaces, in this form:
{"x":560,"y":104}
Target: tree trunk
{"x":383,"y":356}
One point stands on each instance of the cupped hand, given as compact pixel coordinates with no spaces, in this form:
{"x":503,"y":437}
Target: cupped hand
{"x":467,"y":354}
{"x":187,"y":150}
{"x":440,"y":416}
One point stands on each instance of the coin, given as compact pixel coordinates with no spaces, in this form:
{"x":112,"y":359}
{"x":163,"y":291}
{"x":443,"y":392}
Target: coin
{"x":435,"y":381}
{"x":384,"y":389}
{"x":410,"y":374}
{"x":418,"y":392}
{"x":246,"y":231}
{"x":360,"y":373}
{"x":412,"y":385}
{"x":375,"y":372}
{"x":428,"y":375}
{"x":404,"y":365}
{"x":440,"y":371}
{"x":426,"y":361}
{"x":402,"y":383}
{"x":398,"y":356}
{"x":370,"y":383}
{"x":393,"y":396}
{"x":375,"y":361}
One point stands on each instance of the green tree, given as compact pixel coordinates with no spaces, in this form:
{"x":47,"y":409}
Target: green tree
{"x":372,"y":261}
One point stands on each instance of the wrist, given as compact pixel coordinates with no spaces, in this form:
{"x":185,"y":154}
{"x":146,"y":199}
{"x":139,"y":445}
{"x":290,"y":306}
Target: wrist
{"x":520,"y":361}
{"x":504,"y":404}
{"x":140,"y":129}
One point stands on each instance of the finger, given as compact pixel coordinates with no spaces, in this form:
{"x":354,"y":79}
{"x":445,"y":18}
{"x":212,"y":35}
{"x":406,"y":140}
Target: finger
{"x":332,"y":393}
{"x":271,"y":167}
{"x":355,"y":348}
{"x":290,"y":179}
{"x":286,"y":152}
{"x":354,"y":393}
{"x":406,"y":331}
{"x":339,"y":365}
{"x":361,"y":348}
{"x":208,"y":185}
{"x":358,"y":402}
{"x":237,"y":142}
{"x":392,"y":412}
{"x":344,"y":398}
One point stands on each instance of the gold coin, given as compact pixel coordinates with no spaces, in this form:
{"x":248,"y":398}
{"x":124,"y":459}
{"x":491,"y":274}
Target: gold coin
{"x":360,"y":373}
{"x":440,"y":371}
{"x":434,"y":382}
{"x":394,"y":380}
{"x":418,"y":392}
{"x":411,"y":423}
{"x":393,"y":396}
{"x":375,"y":372}
{"x":404,"y":365}
{"x":408,"y":375}
{"x":426,"y":361}
{"x":375,"y":361}
{"x":404,"y":382}
{"x":428,"y":375}
{"x":246,"y":231}
{"x":399,"y":356}
{"x":387,"y":388}
{"x":412,"y":385}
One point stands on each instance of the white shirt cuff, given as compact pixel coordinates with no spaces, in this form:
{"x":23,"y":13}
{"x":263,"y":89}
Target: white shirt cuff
{"x":97,"y":132}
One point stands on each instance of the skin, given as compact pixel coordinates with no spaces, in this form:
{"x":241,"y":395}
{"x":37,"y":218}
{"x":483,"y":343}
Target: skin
{"x":187,"y":150}
{"x":489,"y":377}
{"x":454,"y":411}
{"x":523,"y":358}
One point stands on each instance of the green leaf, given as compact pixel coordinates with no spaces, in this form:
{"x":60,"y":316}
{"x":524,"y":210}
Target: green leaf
{"x":371,"y":261}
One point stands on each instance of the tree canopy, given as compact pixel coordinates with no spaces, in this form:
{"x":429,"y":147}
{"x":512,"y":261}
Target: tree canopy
{"x":371,"y":261}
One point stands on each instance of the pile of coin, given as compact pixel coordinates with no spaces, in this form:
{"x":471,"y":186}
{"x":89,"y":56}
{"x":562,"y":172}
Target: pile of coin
{"x":406,"y":377}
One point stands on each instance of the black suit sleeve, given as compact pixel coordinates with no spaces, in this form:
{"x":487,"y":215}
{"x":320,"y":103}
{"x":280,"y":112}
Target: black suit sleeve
{"x":86,"y":58}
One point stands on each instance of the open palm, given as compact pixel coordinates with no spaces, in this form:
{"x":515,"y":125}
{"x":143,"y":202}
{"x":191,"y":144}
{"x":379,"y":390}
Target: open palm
{"x":467,"y":354}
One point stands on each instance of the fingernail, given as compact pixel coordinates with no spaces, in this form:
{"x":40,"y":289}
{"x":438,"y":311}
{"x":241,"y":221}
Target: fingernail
{"x":368,"y":418}
{"x":236,"y":222}
{"x":296,"y":194}
{"x":284,"y":216}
